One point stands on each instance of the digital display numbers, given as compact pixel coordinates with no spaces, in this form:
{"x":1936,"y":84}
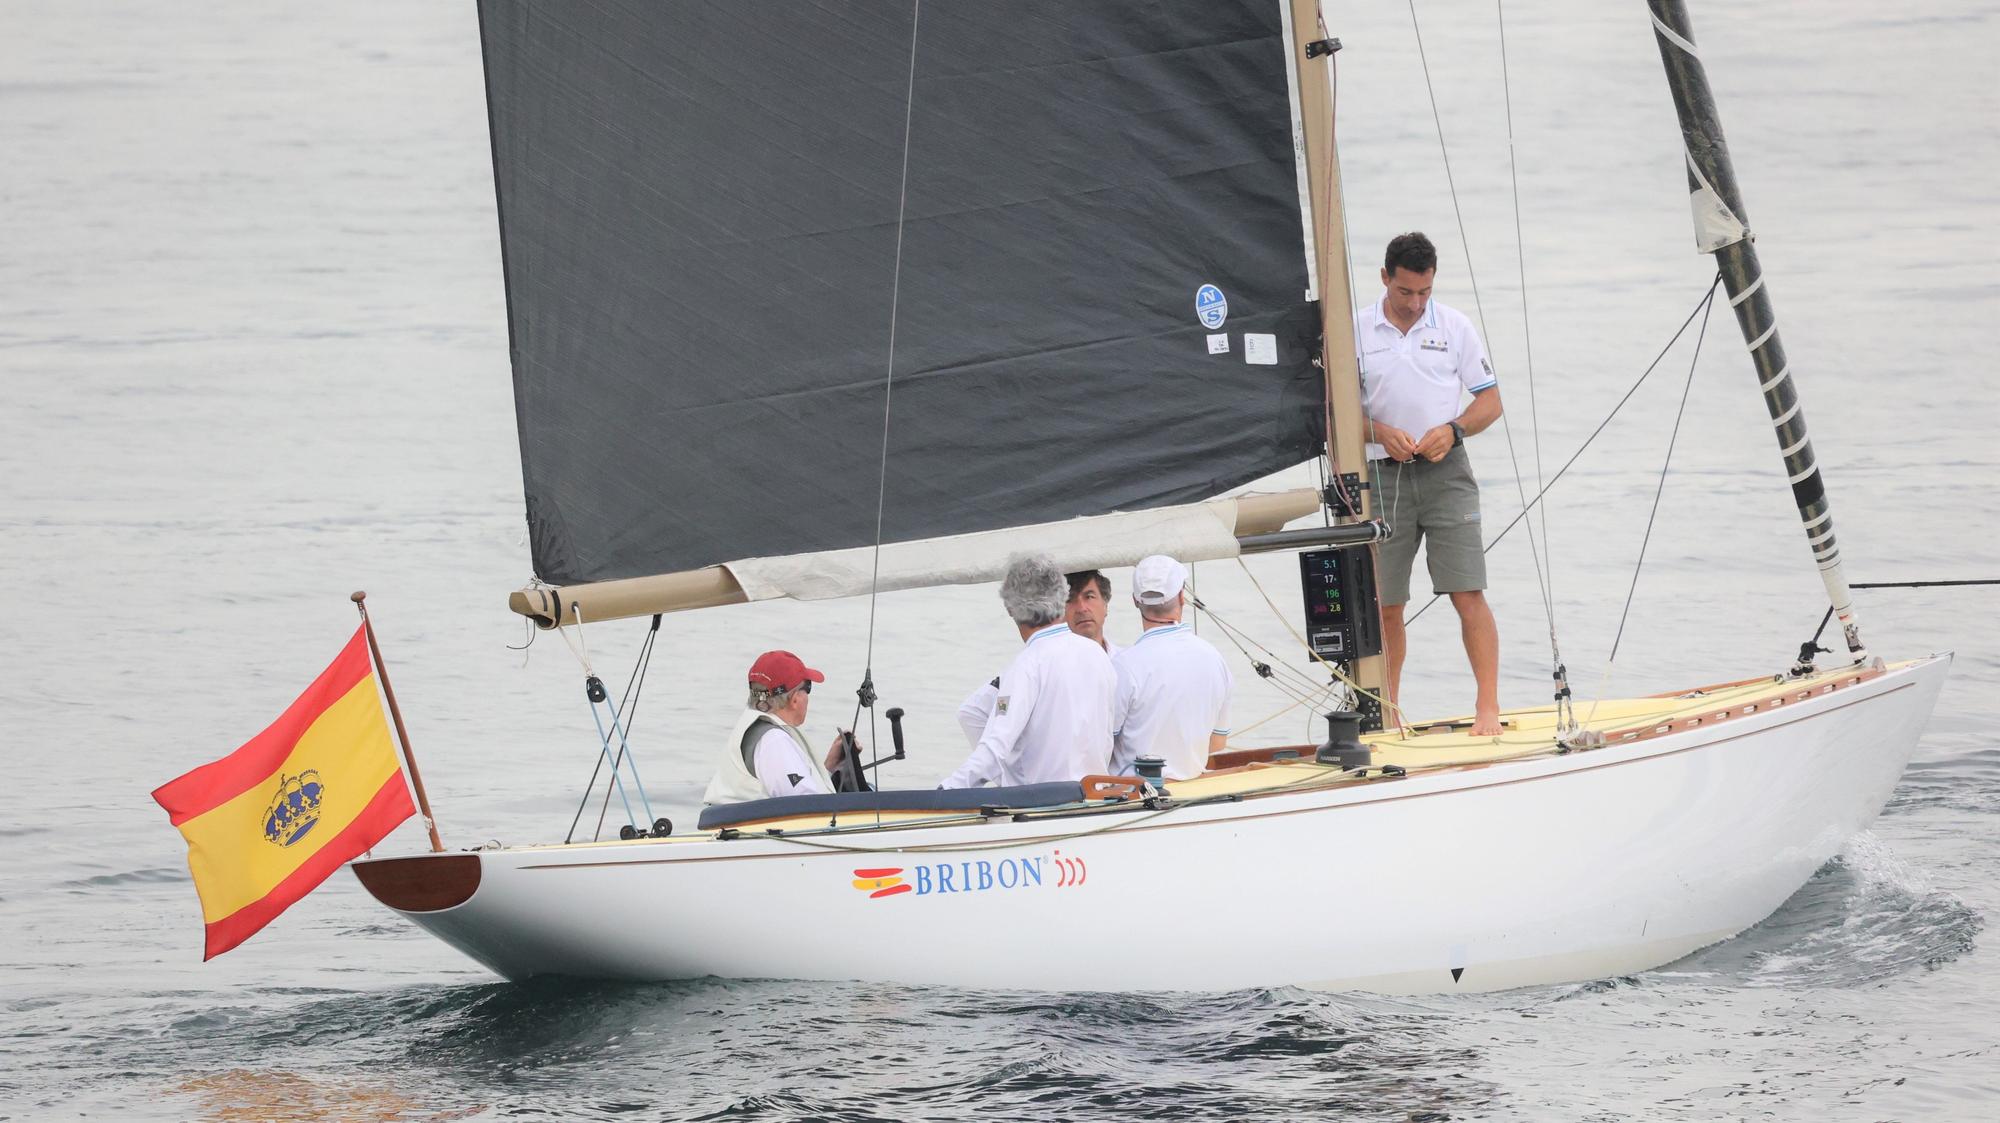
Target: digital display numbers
{"x":1342,"y":621}
{"x":1324,"y":604}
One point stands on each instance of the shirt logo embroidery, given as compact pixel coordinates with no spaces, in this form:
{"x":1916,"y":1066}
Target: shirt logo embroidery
{"x":1434,"y":345}
{"x":1000,"y":706}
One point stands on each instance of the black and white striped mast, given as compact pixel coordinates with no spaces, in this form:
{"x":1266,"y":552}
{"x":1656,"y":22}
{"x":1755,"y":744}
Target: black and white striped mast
{"x":1720,"y":230}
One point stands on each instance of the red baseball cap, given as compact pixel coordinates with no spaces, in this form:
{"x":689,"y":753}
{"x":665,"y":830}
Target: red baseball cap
{"x":781,"y":670}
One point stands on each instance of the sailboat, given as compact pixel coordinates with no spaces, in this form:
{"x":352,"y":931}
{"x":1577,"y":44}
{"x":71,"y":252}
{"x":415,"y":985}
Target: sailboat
{"x":813,"y":301}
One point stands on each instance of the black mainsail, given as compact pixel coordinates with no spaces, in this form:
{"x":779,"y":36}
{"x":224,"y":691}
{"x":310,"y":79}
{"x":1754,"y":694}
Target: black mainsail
{"x":698,"y":207}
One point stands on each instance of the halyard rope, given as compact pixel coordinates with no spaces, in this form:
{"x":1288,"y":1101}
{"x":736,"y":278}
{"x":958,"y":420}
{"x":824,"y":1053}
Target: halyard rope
{"x":889,"y":377}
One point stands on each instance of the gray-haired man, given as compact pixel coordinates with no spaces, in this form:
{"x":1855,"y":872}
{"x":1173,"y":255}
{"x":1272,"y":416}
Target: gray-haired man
{"x":1052,"y":719}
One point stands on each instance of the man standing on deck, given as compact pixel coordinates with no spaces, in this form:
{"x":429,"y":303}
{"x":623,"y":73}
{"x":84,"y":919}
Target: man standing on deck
{"x":1089,"y":602}
{"x":1173,"y":686}
{"x":1052,"y":711}
{"x":1418,"y":359}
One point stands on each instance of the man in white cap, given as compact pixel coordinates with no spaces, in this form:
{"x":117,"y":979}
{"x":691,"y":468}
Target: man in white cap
{"x":1089,"y":602}
{"x":1052,"y":710}
{"x":1173,"y":686}
{"x":765,"y":754}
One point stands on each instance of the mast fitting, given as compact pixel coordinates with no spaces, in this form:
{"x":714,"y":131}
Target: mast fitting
{"x":1319,"y":47}
{"x":1342,"y":495}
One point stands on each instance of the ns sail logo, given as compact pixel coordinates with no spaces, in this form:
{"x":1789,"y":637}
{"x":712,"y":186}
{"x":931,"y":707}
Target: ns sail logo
{"x":974,"y":875}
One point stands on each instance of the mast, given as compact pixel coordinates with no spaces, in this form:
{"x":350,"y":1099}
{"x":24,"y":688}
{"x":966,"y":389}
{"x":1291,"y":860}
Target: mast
{"x":1346,"y":450}
{"x":1720,"y":230}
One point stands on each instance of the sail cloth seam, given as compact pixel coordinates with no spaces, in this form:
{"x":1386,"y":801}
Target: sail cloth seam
{"x":1542,"y":585}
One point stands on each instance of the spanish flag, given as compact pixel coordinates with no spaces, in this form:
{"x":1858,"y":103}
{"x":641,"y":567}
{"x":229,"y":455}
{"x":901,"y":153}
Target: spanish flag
{"x":267,"y":823}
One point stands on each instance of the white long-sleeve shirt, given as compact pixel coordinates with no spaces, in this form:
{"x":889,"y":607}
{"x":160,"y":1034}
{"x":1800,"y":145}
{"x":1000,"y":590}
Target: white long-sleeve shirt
{"x":977,"y":709}
{"x":783,"y":767}
{"x":1173,"y":692}
{"x":1051,"y":715}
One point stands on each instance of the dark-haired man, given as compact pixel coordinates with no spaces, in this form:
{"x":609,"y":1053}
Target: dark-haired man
{"x":1084,"y":612}
{"x":1418,"y":361}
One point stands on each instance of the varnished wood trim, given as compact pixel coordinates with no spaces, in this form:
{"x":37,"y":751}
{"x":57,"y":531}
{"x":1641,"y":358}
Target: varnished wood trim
{"x":422,"y":883}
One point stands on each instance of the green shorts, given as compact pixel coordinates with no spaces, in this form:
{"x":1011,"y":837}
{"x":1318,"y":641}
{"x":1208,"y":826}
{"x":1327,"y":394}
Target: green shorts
{"x":1435,"y":503}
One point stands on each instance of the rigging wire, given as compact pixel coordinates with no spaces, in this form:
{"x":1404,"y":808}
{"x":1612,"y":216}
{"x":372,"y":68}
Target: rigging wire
{"x":1665,"y":466}
{"x":865,"y":697}
{"x":1534,"y":548}
{"x":580,"y":648}
{"x":634,"y":683}
{"x":1700,"y":306}
{"x":1604,"y":681}
{"x":1921,"y":584}
{"x":1286,"y":679}
{"x":1527,"y":334}
{"x":1334,"y":668}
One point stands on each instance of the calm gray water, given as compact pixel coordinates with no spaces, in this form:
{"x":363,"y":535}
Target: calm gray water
{"x":253,"y":349}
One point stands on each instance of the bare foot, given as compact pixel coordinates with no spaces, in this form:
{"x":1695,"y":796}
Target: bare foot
{"x":1486,"y":724}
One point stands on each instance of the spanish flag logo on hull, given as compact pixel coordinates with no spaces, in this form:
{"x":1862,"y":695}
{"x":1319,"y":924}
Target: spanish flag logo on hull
{"x":881,"y":882}
{"x":268,"y":823}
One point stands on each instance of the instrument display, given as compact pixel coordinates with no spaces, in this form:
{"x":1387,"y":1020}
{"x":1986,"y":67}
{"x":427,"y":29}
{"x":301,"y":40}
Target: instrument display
{"x":1343,"y":618}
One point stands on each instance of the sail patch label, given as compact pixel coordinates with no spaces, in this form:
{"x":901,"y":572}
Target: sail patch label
{"x":1218,"y":344}
{"x":1210,"y":306}
{"x":1260,"y":350}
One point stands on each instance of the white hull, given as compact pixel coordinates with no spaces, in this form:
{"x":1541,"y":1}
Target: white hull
{"x":1543,"y":870}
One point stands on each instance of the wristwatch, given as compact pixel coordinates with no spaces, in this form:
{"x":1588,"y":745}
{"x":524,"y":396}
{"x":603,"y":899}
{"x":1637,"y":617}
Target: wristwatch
{"x":1457,"y":434}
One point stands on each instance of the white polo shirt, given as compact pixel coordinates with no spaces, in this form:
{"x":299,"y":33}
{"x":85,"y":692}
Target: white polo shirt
{"x":1051,"y":715}
{"x":1173,"y":691}
{"x":977,"y":709}
{"x":1415,"y":382}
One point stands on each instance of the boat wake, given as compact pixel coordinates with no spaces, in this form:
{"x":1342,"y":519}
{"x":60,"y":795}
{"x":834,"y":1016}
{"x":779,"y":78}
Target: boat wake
{"x":1968,"y":780}
{"x":1865,"y":916}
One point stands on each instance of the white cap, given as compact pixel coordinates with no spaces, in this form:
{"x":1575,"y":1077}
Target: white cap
{"x":1158,"y":579}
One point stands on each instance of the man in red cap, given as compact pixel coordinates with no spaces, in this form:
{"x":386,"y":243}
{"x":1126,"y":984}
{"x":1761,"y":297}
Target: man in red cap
{"x":766,"y":755}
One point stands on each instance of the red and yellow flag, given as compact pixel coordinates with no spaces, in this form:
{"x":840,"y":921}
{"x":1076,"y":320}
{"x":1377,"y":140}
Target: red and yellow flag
{"x":267,"y":823}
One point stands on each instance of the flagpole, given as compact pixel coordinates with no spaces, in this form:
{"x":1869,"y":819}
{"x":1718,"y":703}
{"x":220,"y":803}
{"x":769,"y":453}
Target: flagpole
{"x":416,"y":778}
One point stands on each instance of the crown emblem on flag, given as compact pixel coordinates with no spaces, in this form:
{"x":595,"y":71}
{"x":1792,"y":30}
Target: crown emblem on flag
{"x":295,"y":809}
